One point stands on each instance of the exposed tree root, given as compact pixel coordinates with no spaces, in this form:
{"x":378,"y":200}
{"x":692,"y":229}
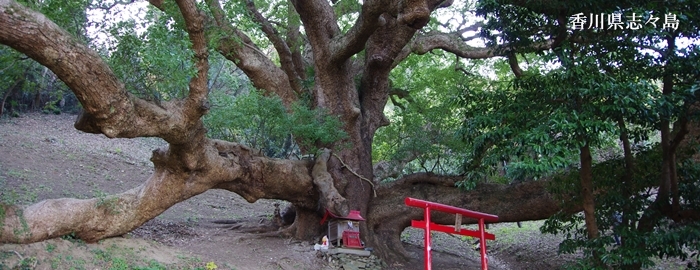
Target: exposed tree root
{"x":288,"y":232}
{"x":226,"y":221}
{"x":256,"y":229}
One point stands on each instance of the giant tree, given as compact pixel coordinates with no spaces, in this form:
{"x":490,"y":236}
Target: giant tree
{"x":336,"y":56}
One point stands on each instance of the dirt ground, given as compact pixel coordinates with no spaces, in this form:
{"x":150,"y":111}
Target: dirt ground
{"x":44,"y":157}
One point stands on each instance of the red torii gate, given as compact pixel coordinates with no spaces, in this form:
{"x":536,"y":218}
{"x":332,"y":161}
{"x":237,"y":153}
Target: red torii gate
{"x":428,"y":226}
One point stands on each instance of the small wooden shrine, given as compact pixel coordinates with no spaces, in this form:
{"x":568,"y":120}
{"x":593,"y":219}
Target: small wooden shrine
{"x":344,"y":230}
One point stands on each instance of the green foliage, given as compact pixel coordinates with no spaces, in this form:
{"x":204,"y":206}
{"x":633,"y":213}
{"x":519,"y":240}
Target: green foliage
{"x":314,"y":127}
{"x":470,"y":183}
{"x":155,"y":64}
{"x":70,"y":15}
{"x":119,"y":258}
{"x":72,"y":237}
{"x":264,"y":123}
{"x":424,"y":116}
{"x":51,"y":109}
{"x":27,"y":263}
{"x":669,"y":239}
{"x":30,"y":86}
{"x":514,"y":25}
{"x":348,"y":11}
{"x":50,"y":247}
{"x":152,"y":265}
{"x":107,"y":202}
{"x":588,"y":93}
{"x":274,"y":11}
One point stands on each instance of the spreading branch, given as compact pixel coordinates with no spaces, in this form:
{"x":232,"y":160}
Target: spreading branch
{"x":514,"y":66}
{"x":196,"y":105}
{"x":241,"y":50}
{"x":454,"y":44}
{"x":354,"y":40}
{"x":282,"y":48}
{"x":320,"y":26}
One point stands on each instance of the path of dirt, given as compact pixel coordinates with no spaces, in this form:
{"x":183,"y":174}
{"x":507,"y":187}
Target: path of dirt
{"x":43,"y":157}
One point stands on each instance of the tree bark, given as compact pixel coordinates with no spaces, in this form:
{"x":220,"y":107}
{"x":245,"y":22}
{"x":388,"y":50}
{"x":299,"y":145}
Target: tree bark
{"x":586,"y":174}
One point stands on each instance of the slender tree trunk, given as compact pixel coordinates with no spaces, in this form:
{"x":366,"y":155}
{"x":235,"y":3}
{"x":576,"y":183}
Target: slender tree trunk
{"x":669,"y":181}
{"x":665,"y":182}
{"x":627,"y":150}
{"x":9,"y":93}
{"x":629,"y":170}
{"x":626,"y":180}
{"x":586,"y":174}
{"x":661,"y":204}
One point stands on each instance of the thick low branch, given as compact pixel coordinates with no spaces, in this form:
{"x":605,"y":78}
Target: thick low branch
{"x":515,"y":202}
{"x":265,"y":178}
{"x":389,"y":216}
{"x":98,"y":218}
{"x":330,"y":197}
{"x":224,"y":165}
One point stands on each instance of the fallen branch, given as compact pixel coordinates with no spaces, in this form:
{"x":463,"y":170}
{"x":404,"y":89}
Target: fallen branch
{"x":18,"y":255}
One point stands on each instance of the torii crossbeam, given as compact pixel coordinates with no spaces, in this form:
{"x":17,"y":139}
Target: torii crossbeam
{"x":427,"y":226}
